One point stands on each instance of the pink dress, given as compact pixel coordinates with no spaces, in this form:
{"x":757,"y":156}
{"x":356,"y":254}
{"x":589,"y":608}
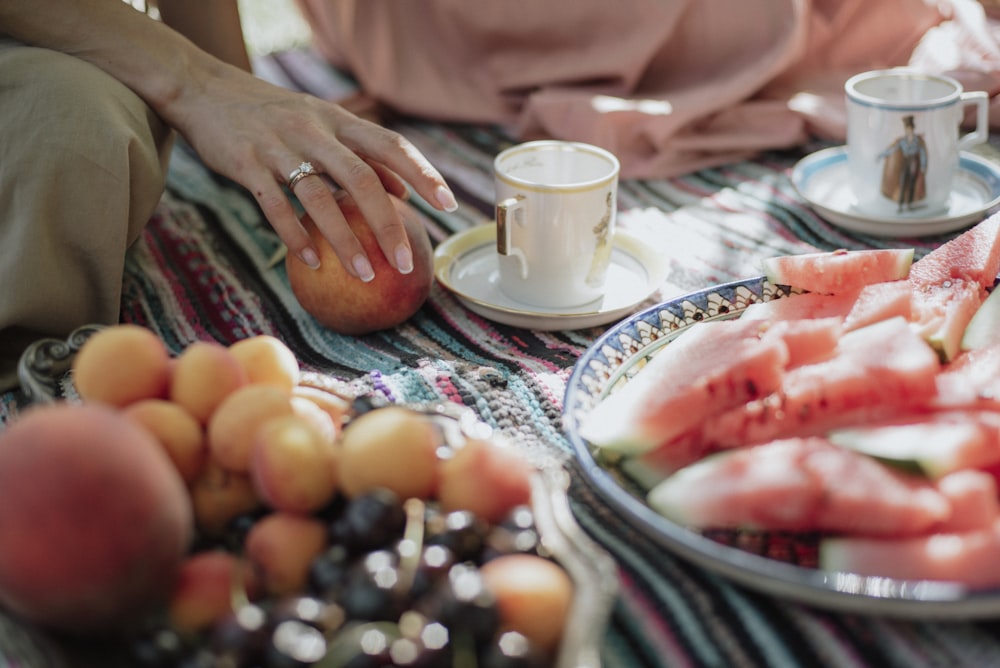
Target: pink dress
{"x":668,"y":85}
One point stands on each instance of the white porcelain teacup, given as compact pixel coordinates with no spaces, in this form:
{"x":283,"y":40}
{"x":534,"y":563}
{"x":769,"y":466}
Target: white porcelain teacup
{"x":904,"y":140}
{"x":556,"y":207}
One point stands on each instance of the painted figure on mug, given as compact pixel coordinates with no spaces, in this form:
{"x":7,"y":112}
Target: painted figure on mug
{"x":904,"y":169}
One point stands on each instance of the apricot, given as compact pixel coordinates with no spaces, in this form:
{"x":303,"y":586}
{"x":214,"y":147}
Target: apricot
{"x":181,"y":436}
{"x":233,"y":426}
{"x":533,"y":595}
{"x":281,"y":548}
{"x":206,"y":588}
{"x":317,"y":417}
{"x":392,"y":447}
{"x":219,"y":496}
{"x":345,"y":304}
{"x":121,"y":364}
{"x":94,"y":519}
{"x":268,"y":361}
{"x":486,"y":479}
{"x":292,"y":466}
{"x":331,"y":404}
{"x":205,"y":373}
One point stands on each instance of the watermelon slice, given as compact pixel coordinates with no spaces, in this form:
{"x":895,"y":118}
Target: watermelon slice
{"x":984,"y":327}
{"x":942,"y":313}
{"x":973,"y":256}
{"x":878,"y":372}
{"x":808,"y":341}
{"x":968,"y":557}
{"x":839,"y":271}
{"x":973,"y":497}
{"x":934,"y":444}
{"x":800,"y":484}
{"x":801,"y":306}
{"x":971,"y":381}
{"x":880,"y":301}
{"x":710,"y":367}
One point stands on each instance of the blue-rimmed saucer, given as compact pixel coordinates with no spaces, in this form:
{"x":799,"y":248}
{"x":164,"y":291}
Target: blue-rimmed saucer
{"x":821,"y":179}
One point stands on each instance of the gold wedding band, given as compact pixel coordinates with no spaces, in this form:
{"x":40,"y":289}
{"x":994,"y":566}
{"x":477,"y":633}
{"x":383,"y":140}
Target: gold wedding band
{"x":302,"y":171}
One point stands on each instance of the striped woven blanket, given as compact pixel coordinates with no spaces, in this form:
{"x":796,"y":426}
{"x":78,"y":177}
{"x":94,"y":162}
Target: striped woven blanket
{"x":202,"y":271}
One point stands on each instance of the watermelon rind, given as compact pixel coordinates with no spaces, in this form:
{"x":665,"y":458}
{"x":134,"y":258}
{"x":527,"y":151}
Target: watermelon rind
{"x":933,"y":450}
{"x":984,"y":327}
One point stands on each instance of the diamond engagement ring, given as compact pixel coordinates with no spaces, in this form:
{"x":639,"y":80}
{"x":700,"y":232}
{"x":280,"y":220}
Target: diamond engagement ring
{"x":299,"y":173}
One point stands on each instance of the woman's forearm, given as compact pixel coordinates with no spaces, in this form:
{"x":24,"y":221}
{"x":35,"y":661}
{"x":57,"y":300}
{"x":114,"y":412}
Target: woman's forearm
{"x":213,"y":25}
{"x":152,"y":59}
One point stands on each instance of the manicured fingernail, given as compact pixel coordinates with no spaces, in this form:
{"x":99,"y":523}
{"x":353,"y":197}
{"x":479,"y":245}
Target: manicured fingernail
{"x":308,"y":255}
{"x":446,"y":199}
{"x":404,"y":259}
{"x":363,"y":268}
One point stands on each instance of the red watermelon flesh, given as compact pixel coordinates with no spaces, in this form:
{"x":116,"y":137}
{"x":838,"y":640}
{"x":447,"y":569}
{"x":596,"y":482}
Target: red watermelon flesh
{"x":878,"y":372}
{"x":971,"y":381}
{"x":970,"y":557}
{"x":801,"y":306}
{"x":880,"y":301}
{"x":712,"y":366}
{"x":973,"y":498}
{"x":839,"y":271}
{"x":973,"y":256}
{"x":799,"y":484}
{"x":809,"y":340}
{"x":942,"y":311}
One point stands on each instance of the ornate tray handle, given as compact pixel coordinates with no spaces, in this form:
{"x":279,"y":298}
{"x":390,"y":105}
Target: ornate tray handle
{"x":44,"y":366}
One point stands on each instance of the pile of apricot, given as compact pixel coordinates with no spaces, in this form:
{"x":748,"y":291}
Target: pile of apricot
{"x":324,"y":530}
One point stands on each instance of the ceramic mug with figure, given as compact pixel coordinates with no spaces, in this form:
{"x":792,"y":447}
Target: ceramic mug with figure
{"x":556,"y":207}
{"x":904,"y":140}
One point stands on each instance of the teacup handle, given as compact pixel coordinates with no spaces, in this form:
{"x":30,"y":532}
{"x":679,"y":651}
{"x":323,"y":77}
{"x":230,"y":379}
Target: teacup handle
{"x":980,"y":99}
{"x":507,"y":210}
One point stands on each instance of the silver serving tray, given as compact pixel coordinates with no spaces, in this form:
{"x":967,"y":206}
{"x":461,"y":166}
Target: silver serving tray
{"x":44,"y":373}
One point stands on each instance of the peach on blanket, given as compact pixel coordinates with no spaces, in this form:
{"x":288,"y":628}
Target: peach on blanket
{"x":668,"y":85}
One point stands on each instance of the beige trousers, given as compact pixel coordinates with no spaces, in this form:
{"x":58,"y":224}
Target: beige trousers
{"x":82,"y":166}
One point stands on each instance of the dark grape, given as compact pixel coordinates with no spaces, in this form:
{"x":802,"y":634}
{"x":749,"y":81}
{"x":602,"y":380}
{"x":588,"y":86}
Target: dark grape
{"x":158,"y":648}
{"x":460,"y":531}
{"x":241,"y":637}
{"x":463,"y":604}
{"x":371,"y":591}
{"x":369,"y":522}
{"x":328,"y":571}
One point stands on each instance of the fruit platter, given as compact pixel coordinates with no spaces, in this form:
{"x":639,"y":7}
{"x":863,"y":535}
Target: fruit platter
{"x":827,"y":432}
{"x":252,"y":514}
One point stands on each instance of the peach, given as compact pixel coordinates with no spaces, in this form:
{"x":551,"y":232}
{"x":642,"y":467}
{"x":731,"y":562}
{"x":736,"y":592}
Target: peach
{"x":94,"y":519}
{"x":344,"y":303}
{"x":533,"y":595}
{"x":121,"y":364}
{"x":205,"y":589}
{"x":486,"y":479}
{"x":267,"y":360}
{"x":206,"y":372}
{"x":181,"y":436}
{"x":233,"y":426}
{"x":391,"y":447}
{"x":219,"y":496}
{"x":281,"y":548}
{"x":292,"y":465}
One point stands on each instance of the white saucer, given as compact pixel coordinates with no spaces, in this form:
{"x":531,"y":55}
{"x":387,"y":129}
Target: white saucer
{"x":821,"y":179}
{"x":466,"y":264}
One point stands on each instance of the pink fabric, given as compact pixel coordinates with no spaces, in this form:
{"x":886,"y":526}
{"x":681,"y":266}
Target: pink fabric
{"x":668,"y":85}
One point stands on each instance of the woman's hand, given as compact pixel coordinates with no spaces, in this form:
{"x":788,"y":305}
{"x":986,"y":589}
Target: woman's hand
{"x":258,"y":134}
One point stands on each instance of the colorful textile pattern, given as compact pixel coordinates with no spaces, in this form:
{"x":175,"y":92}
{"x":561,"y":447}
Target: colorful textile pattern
{"x":203,"y":270}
